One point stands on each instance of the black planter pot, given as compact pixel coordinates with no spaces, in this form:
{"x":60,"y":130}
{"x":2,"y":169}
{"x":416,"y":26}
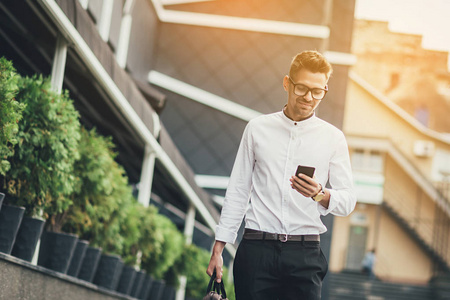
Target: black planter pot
{"x":117,"y":275}
{"x":126,"y":280}
{"x":90,"y":263}
{"x":108,"y":271}
{"x":56,"y":250}
{"x":137,"y":284}
{"x":77,"y":258}
{"x":2,"y":196}
{"x":146,"y":286}
{"x":10,"y":218}
{"x":157,"y":290}
{"x":30,"y":231}
{"x":168,"y":293}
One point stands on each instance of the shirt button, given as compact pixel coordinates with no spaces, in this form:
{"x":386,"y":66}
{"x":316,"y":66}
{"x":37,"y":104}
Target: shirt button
{"x":295,"y":123}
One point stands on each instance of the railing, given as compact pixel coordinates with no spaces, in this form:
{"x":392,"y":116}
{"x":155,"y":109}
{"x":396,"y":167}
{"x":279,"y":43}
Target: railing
{"x":431,"y":228}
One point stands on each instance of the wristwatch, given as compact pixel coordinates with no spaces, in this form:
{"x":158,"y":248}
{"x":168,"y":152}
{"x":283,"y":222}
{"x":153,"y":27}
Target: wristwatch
{"x":319,"y":196}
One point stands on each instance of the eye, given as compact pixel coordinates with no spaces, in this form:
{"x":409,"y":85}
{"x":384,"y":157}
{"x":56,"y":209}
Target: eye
{"x":301,"y":89}
{"x":317,"y":93}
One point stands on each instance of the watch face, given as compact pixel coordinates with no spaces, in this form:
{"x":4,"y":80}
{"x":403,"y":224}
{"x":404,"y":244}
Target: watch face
{"x":319,"y":197}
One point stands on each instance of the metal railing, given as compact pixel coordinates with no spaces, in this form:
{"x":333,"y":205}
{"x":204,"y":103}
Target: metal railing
{"x":432,"y":230}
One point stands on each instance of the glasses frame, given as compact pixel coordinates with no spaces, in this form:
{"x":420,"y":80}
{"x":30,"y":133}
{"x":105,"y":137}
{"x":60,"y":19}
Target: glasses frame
{"x":308,"y":89}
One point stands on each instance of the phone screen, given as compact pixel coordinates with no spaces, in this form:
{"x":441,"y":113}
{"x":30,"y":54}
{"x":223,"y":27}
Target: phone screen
{"x":309,"y":171}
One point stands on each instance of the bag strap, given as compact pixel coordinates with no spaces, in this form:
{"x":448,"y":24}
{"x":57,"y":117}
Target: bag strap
{"x":210,"y":284}
{"x":217,"y":287}
{"x":220,"y":288}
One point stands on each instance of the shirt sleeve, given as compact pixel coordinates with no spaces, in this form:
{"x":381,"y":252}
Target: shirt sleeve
{"x":342,"y":194}
{"x":238,"y":191}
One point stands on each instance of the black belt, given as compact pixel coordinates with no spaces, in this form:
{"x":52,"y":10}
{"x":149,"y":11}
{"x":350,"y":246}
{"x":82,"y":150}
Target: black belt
{"x":251,"y":234}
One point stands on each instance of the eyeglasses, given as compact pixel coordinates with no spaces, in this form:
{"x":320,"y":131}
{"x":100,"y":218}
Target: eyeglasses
{"x":302,"y":90}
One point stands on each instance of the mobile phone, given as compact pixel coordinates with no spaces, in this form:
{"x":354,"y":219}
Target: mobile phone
{"x":309,"y":171}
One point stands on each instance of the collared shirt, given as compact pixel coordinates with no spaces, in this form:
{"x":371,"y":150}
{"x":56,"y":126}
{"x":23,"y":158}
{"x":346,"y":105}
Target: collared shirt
{"x":271,"y":148}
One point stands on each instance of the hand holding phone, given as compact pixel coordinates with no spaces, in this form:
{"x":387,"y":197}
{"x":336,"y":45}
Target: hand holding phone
{"x":309,"y":171}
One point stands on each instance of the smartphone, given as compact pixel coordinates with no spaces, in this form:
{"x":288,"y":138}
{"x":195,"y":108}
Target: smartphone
{"x":309,"y":171}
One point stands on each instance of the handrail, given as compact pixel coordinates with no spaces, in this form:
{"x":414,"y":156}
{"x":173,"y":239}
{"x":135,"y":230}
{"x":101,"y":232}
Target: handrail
{"x":424,"y":228}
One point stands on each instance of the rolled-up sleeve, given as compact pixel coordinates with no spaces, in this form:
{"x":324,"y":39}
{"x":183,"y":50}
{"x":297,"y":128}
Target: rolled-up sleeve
{"x":343,"y":197}
{"x":238,"y":191}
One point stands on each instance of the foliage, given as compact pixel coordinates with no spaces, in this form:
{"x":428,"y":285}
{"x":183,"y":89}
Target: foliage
{"x":10,"y":112}
{"x":41,"y":175}
{"x":103,"y":197}
{"x":150,"y":240}
{"x":105,"y":213}
{"x":193,"y":264}
{"x":157,"y":259}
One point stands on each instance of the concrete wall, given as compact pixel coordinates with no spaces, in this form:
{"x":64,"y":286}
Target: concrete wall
{"x":20,"y":280}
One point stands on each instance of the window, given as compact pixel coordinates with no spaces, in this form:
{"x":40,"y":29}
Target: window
{"x":367,"y":161}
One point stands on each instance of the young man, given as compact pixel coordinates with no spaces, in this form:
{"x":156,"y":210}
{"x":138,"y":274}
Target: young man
{"x":279,"y":256}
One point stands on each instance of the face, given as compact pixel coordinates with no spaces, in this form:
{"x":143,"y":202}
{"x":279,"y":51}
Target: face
{"x":302,"y":107}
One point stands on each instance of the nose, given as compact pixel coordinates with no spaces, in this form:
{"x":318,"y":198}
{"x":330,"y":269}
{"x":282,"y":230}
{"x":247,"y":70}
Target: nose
{"x":308,"y":97}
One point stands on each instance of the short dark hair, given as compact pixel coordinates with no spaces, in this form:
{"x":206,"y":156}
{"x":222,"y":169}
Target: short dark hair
{"x":312,"y":61}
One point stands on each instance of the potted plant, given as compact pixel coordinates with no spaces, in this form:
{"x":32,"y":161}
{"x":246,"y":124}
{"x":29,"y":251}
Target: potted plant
{"x":10,"y":115}
{"x":161,"y":245}
{"x":158,"y":258}
{"x":131,"y":231}
{"x":98,"y":205}
{"x":41,"y":174}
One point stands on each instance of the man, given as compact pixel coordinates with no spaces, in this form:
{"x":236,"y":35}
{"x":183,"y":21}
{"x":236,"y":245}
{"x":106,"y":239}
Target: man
{"x":279,"y":256}
{"x":368,"y":264}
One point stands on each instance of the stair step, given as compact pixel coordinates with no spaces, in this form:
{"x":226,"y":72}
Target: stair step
{"x":354,"y":286}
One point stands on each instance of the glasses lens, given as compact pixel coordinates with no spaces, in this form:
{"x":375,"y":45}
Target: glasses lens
{"x":318,"y":93}
{"x":301,"y":90}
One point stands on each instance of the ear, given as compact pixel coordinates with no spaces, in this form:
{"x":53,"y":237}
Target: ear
{"x":286,"y":83}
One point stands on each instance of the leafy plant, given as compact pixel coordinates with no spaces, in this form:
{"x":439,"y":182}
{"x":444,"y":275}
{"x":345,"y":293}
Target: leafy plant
{"x":41,"y":175}
{"x":150,"y":239}
{"x":158,"y":258}
{"x":10,"y":113}
{"x":193,"y":263}
{"x":102,"y":197}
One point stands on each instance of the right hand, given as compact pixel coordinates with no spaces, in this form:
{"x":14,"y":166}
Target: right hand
{"x":216,"y":261}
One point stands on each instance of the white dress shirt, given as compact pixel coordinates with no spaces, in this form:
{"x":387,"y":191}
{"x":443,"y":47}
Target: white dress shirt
{"x":271,"y":148}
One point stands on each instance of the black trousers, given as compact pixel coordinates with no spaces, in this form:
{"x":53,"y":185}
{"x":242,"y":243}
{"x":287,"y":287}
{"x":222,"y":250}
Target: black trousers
{"x":273,"y":270}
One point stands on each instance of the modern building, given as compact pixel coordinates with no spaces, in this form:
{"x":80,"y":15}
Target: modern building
{"x":415,"y":78}
{"x":396,"y":124}
{"x":174,"y":82}
{"x":401,"y":171}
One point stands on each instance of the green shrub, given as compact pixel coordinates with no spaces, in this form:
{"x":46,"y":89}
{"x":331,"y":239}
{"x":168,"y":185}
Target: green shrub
{"x":41,"y":175}
{"x":193,"y":263}
{"x":102,"y":198}
{"x":10,"y":113}
{"x":159,"y":257}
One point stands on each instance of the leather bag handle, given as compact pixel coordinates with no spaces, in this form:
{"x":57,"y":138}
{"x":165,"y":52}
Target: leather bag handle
{"x":217,"y":287}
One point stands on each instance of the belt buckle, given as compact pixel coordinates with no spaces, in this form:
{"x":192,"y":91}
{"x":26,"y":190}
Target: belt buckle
{"x":285,"y":238}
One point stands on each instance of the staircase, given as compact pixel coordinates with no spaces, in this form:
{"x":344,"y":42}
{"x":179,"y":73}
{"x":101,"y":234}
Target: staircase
{"x":443,"y":264}
{"x":355,"y":286}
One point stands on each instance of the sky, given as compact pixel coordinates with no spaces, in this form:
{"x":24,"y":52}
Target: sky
{"x":430,"y":18}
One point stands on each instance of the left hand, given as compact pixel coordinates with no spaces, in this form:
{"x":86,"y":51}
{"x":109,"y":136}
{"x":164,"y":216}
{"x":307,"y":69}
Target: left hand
{"x":308,"y":187}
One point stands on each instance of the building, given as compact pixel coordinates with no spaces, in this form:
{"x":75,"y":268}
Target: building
{"x":396,"y":64}
{"x":401,"y":172}
{"x":175,"y":81}
{"x":400,"y":161}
